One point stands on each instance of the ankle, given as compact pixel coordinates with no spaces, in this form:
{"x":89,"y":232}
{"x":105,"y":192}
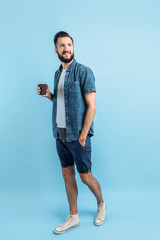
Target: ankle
{"x":73,"y":212}
{"x":100,"y":202}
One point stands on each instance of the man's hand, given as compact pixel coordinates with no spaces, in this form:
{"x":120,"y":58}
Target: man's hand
{"x":48,"y":93}
{"x":82,"y":140}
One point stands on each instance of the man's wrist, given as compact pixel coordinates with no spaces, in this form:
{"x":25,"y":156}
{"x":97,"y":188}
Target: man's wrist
{"x":50,"y":96}
{"x":83,"y":135}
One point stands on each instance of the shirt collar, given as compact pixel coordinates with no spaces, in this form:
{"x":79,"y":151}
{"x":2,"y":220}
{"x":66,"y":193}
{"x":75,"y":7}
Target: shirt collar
{"x":70,"y":66}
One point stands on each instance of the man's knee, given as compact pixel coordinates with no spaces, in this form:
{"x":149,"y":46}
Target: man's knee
{"x":68,"y":172}
{"x":86,"y":177}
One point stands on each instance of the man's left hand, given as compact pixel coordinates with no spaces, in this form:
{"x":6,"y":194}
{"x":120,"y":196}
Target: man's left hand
{"x":82,"y":140}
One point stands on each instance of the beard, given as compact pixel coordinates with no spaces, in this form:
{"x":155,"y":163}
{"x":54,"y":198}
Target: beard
{"x":65,"y":60}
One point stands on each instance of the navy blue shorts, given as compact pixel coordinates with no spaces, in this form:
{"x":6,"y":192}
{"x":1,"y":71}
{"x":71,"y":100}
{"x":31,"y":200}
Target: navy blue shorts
{"x":73,"y":152}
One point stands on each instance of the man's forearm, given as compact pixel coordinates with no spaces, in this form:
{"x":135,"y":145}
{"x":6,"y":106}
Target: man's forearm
{"x":88,"y":120}
{"x":50,"y":97}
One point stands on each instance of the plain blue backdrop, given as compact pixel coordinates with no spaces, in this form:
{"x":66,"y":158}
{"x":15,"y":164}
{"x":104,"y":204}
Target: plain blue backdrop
{"x":119,"y":41}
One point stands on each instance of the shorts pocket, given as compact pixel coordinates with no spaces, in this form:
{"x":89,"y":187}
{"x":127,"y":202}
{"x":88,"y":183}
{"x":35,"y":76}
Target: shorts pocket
{"x":87,"y":145}
{"x":81,"y":145}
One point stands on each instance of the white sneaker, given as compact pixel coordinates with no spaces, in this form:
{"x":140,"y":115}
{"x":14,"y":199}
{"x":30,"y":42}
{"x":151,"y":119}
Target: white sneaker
{"x":71,"y":221}
{"x":101,"y":214}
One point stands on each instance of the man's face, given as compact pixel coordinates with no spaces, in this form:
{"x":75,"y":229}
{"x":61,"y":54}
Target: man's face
{"x":65,"y":49}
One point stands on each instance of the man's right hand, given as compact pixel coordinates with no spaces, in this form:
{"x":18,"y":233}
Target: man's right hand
{"x":48,"y":94}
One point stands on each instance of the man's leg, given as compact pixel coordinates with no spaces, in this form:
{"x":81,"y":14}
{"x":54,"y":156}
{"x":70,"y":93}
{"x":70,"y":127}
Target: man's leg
{"x":71,"y":187}
{"x":93,"y":185}
{"x":66,"y":159}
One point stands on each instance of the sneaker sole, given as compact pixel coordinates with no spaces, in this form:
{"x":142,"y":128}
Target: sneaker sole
{"x":57,"y":232}
{"x":98,"y":224}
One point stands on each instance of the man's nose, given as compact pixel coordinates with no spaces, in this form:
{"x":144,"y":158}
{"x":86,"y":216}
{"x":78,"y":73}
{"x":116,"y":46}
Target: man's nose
{"x":66,"y":49}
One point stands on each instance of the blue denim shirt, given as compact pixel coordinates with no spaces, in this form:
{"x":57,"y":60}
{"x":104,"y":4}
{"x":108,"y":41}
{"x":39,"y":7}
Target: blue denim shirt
{"x":79,"y":80}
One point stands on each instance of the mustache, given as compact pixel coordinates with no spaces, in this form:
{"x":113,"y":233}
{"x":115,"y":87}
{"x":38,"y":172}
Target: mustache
{"x":66,"y":52}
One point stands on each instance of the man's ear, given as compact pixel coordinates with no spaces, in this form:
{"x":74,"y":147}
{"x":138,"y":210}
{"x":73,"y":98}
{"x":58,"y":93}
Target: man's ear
{"x":56,"y":50}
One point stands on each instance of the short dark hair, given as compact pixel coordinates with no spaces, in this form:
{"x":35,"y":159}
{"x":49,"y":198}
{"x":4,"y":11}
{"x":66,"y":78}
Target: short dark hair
{"x":61,"y":34}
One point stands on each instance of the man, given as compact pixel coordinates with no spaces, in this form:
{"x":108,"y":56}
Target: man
{"x":74,"y":108}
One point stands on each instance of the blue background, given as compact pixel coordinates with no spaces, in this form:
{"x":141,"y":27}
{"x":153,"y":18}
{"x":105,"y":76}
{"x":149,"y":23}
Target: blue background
{"x":119,"y":41}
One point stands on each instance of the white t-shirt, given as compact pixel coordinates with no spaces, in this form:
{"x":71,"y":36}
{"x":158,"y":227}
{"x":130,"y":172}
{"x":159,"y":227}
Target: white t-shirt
{"x":61,"y":117}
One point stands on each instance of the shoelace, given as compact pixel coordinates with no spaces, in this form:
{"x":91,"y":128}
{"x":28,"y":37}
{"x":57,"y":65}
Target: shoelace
{"x":67,"y":222}
{"x":100,"y":213}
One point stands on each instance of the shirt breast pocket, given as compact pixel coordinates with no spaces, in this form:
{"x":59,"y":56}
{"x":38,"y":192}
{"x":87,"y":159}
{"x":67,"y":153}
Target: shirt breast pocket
{"x":74,"y":89}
